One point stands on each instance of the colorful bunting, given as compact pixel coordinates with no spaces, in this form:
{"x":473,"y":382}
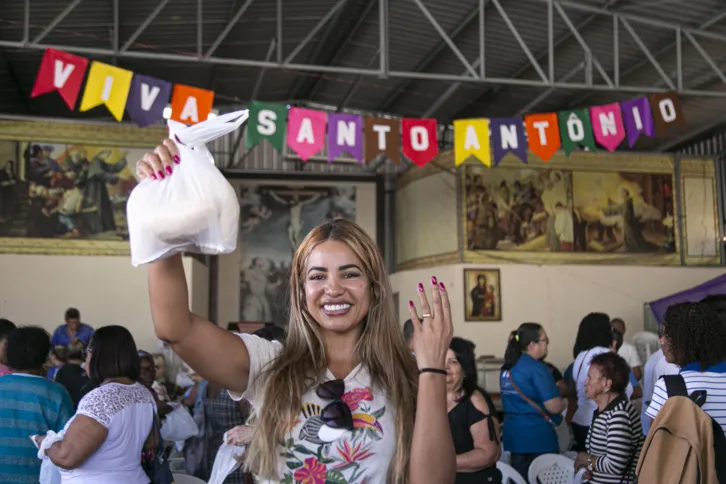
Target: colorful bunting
{"x":667,"y":112}
{"x":147,"y":99}
{"x":471,"y":138}
{"x":607,"y":125}
{"x":345,"y":133}
{"x":190,"y":105}
{"x":381,"y":136}
{"x":543,"y":134}
{"x":62,"y":72}
{"x":418,"y":140}
{"x":266,"y":121}
{"x":576,"y":130}
{"x":107,"y":85}
{"x":508,"y":137}
{"x":306,"y":131}
{"x":637,"y":119}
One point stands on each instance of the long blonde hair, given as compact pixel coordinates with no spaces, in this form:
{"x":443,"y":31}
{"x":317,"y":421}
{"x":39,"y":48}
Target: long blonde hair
{"x":380,"y":348}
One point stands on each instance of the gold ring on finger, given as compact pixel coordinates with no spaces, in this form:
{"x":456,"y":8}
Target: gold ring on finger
{"x":426,"y":315}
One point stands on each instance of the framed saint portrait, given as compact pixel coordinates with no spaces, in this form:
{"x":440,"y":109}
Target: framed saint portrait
{"x":482,"y":295}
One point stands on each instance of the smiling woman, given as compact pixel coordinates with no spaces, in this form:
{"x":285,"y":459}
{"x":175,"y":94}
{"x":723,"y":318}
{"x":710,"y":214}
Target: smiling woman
{"x":335,"y":402}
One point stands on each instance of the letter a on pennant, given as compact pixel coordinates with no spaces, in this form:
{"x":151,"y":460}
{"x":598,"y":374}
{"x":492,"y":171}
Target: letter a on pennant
{"x":306,"y":131}
{"x":471,"y":138}
{"x":190,"y":105}
{"x":419,"y":142}
{"x":543,"y":134}
{"x":107,"y":85}
{"x":607,"y":125}
{"x":62,"y":72}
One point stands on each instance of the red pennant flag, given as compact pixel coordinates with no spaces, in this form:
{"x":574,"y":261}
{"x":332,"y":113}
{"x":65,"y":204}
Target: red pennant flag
{"x":543,"y":134}
{"x":419,"y":140}
{"x":62,"y":72}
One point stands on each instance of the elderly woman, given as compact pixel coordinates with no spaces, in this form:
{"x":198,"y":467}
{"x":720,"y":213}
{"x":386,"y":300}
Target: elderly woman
{"x":103,"y":441}
{"x":615,"y":437}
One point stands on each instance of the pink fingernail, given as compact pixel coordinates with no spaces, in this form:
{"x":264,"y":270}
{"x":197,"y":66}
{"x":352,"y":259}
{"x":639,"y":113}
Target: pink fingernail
{"x":434,"y":281}
{"x":154,"y":177}
{"x":177,"y":159}
{"x":441,"y":287}
{"x":420,"y":287}
{"x":161,"y":174}
{"x":410,"y":304}
{"x":168,"y":170}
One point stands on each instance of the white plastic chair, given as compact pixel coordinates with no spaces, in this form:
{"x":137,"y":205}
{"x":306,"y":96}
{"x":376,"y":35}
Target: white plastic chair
{"x":509,"y":475}
{"x":551,"y":469}
{"x":186,"y":479}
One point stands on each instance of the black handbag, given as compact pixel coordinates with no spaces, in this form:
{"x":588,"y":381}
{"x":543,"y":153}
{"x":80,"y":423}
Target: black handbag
{"x":158,"y":467}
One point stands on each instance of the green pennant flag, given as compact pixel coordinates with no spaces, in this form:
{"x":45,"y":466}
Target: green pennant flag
{"x":576,"y":130}
{"x":267,"y":121}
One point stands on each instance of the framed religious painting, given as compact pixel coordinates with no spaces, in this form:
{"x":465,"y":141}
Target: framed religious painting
{"x":482,"y":295}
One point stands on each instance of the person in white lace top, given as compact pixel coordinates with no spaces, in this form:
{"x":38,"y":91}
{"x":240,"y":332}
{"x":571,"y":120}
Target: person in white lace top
{"x":104,"y":439}
{"x":340,"y":395}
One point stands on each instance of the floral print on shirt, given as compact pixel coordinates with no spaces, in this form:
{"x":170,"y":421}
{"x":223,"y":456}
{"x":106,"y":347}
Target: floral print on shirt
{"x":338,"y":462}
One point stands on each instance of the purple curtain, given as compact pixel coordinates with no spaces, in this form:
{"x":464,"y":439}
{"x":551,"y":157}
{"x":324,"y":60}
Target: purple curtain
{"x":714,"y":286}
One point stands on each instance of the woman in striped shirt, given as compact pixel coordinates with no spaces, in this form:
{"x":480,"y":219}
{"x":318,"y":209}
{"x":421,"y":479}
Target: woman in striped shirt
{"x":615,"y":436}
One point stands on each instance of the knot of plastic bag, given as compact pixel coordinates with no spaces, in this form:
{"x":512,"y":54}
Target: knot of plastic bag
{"x":202,"y":133}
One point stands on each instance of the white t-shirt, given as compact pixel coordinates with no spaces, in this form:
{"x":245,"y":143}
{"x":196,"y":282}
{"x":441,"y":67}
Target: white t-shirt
{"x":586,"y":407}
{"x":314,"y":452}
{"x":127,"y":411}
{"x":714,"y":384}
{"x":630,"y":354}
{"x":655,"y":367}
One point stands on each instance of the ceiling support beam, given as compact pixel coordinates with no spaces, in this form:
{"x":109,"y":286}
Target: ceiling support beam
{"x":140,"y":29}
{"x":58,"y":19}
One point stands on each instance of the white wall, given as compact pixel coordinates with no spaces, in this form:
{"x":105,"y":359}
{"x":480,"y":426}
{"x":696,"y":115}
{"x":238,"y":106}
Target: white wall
{"x":37,"y":289}
{"x":555,"y":296}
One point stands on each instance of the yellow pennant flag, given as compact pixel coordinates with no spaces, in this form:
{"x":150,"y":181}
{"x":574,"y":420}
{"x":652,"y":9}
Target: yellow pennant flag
{"x":107,"y":85}
{"x":471,"y":137}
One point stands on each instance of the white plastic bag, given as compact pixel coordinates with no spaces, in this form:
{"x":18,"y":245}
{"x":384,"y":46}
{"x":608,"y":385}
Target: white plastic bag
{"x":193,"y":210}
{"x":178,"y":425}
{"x":227,"y":461}
{"x":49,"y":473}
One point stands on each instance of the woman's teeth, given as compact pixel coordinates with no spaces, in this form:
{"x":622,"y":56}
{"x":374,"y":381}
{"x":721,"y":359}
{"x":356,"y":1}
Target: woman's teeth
{"x":336,"y":307}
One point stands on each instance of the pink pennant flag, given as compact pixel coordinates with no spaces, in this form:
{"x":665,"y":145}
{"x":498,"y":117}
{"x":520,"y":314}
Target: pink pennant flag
{"x":607,"y":125}
{"x":306,"y":131}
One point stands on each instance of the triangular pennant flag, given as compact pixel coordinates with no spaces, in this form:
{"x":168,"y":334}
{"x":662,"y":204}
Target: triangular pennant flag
{"x":345,"y":133}
{"x":576,"y":130}
{"x":637,"y":119}
{"x":543,"y":134}
{"x":266,"y":121}
{"x":108,"y":85}
{"x":508,"y":137}
{"x":381,"y":136}
{"x":306,"y":131}
{"x":191,"y":105}
{"x":667,"y":112}
{"x":471,"y":138}
{"x":62,"y":72}
{"x":148,"y":97}
{"x":607,"y":125}
{"x":419,"y":141}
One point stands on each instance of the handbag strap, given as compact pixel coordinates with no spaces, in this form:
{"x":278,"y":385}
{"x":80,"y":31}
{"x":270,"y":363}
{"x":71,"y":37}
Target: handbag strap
{"x":544,"y":415}
{"x":579,"y":370}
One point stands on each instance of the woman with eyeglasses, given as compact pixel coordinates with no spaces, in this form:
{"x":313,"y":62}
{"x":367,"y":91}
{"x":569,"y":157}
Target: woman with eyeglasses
{"x":336,"y":402}
{"x":531,"y":399}
{"x":104,"y":439}
{"x":474,"y":427}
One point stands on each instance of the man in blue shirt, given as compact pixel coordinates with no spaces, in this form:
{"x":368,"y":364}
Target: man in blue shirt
{"x":73,"y":333}
{"x":30,"y":404}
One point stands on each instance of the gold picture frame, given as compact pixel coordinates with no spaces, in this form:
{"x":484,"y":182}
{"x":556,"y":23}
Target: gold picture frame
{"x":482,"y":295}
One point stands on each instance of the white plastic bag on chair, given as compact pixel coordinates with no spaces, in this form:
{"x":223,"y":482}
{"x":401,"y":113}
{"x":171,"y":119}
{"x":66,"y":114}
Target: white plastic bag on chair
{"x":178,"y":425}
{"x":194,"y":209}
{"x":228,"y":460}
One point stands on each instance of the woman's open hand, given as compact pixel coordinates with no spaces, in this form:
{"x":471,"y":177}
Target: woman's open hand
{"x":160,"y":163}
{"x":432,"y":332}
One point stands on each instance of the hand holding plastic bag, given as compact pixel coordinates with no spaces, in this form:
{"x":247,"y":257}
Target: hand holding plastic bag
{"x":228,"y":460}
{"x":183,"y":203}
{"x":178,"y":425}
{"x":49,"y":472}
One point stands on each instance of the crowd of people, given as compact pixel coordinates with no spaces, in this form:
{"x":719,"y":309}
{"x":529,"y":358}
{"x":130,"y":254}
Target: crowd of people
{"x":343,"y":394}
